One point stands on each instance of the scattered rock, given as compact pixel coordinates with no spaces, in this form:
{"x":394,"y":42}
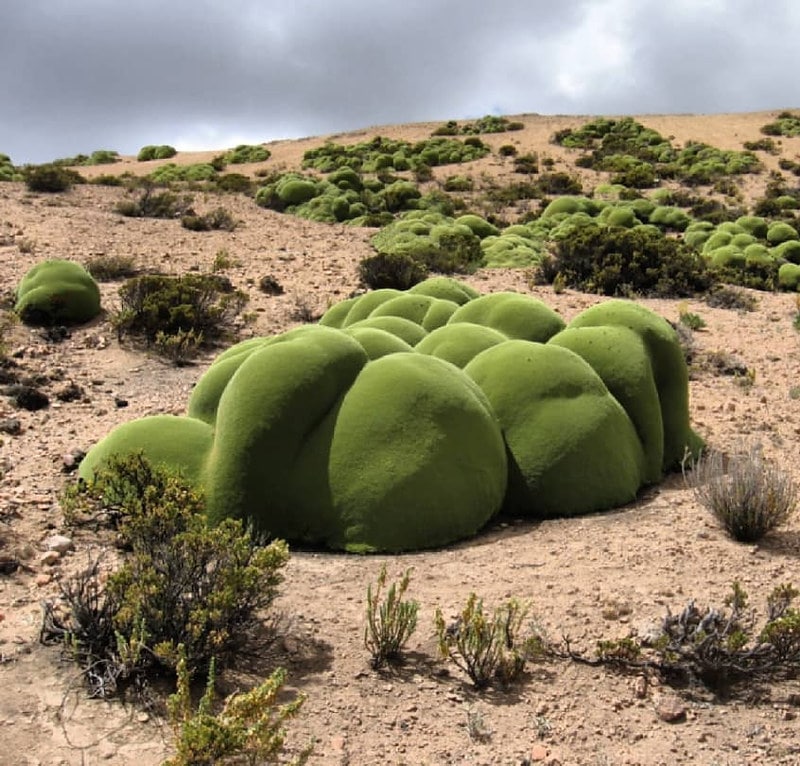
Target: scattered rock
{"x":56,"y":334}
{"x":50,"y":558}
{"x":72,"y":392}
{"x":120,"y":402}
{"x":538,"y":753}
{"x":59,"y":543}
{"x":670,"y":709}
{"x":71,"y":460}
{"x":11,"y":426}
{"x":43,"y":579}
{"x":27,"y":397}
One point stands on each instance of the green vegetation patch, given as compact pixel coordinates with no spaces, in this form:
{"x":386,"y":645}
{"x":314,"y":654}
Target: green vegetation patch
{"x":57,"y":292}
{"x":408,"y":419}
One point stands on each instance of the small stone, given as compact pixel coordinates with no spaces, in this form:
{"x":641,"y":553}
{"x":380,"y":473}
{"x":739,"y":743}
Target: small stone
{"x":50,"y":558}
{"x":670,"y":709}
{"x":539,"y":753}
{"x":59,"y":543}
{"x":142,"y":717}
{"x":11,"y":426}
{"x":120,"y":402}
{"x":71,"y":460}
{"x":43,"y":579}
{"x":29,"y":398}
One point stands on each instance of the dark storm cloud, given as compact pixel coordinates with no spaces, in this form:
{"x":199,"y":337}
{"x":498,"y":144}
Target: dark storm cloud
{"x":78,"y":75}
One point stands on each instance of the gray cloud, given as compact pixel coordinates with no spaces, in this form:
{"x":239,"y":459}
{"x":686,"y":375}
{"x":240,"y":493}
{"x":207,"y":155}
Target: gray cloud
{"x":79,"y":75}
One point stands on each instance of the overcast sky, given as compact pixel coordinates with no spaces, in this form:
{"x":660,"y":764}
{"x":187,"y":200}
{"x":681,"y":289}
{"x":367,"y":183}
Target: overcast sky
{"x":80,"y":75}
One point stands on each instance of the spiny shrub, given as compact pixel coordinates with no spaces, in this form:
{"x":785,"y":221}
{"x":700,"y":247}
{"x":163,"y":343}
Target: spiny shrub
{"x":488,"y":647}
{"x":50,"y":178}
{"x":235,"y":182}
{"x":250,"y":726}
{"x":181,"y":584}
{"x":391,"y":619}
{"x":159,"y":152}
{"x":748,"y":495}
{"x":727,"y":297}
{"x":154,"y":204}
{"x":624,"y":262}
{"x":204,"y":304}
{"x":216,"y":220}
{"x":173,"y":173}
{"x":108,"y":268}
{"x":718,"y":647}
{"x":396,"y":270}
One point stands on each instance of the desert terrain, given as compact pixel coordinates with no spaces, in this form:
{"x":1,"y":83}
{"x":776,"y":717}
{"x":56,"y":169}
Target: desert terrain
{"x":599,"y":576}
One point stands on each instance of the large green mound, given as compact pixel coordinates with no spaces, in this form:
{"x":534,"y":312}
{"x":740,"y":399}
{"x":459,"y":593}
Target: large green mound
{"x":407,"y":420}
{"x":57,"y":292}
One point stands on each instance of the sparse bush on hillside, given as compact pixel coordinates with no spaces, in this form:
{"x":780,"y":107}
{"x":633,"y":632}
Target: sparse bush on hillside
{"x":718,"y":647}
{"x":7,"y":170}
{"x":218,"y":219}
{"x":159,"y":152}
{"x":395,"y":270}
{"x":181,"y":584}
{"x":155,"y":204}
{"x":787,"y":124}
{"x":50,"y":178}
{"x":626,"y":262}
{"x":108,"y":268}
{"x":489,"y":647}
{"x":153,"y":306}
{"x":391,"y":619}
{"x":247,"y":153}
{"x":747,"y":494}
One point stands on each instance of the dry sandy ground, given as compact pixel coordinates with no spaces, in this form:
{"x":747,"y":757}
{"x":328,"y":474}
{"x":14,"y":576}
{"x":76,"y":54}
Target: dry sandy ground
{"x":600,"y":576}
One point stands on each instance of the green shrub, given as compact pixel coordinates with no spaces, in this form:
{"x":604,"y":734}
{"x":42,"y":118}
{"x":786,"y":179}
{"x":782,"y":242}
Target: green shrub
{"x":458,"y":184}
{"x":250,"y":725}
{"x":391,"y":620}
{"x":719,"y":647}
{"x":489,"y":647}
{"x":507,"y":150}
{"x":160,"y":152}
{"x":626,"y":262}
{"x":247,"y":153}
{"x":526,"y":163}
{"x":787,"y":124}
{"x":395,"y":270}
{"x":235,"y":182}
{"x":748,"y":495}
{"x":57,"y":291}
{"x":204,"y":304}
{"x":50,"y":178}
{"x":183,"y":588}
{"x":7,"y":170}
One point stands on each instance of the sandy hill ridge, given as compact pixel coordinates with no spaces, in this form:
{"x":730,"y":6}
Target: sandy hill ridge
{"x":594,"y":577}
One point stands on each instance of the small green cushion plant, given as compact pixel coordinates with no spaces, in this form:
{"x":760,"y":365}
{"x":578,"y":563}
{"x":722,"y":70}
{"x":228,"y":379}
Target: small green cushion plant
{"x":57,"y":292}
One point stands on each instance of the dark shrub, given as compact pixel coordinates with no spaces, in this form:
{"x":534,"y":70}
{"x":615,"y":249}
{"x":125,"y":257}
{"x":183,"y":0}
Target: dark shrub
{"x":204,"y":304}
{"x":162,"y":152}
{"x":507,"y":150}
{"x":235,"y":182}
{"x":395,"y":270}
{"x":216,"y":220}
{"x":50,"y":178}
{"x":625,"y":262}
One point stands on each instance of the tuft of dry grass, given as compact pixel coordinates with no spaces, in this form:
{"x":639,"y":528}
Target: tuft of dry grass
{"x":749,"y":495}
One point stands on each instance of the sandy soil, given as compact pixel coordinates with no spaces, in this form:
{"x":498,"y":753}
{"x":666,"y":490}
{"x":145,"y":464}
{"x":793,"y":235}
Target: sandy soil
{"x":600,"y":576}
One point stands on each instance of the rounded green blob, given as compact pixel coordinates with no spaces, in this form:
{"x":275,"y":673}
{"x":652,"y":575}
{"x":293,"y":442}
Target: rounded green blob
{"x":788,"y":251}
{"x":728,"y":256}
{"x":402,"y":328}
{"x":618,"y":355}
{"x":459,"y":343}
{"x":446,"y":288}
{"x":789,"y":276}
{"x":572,"y":448}
{"x":364,"y":305}
{"x":478,"y":226}
{"x":429,"y":313}
{"x":182,"y":444}
{"x":780,"y":231}
{"x":57,"y":292}
{"x":375,"y":342}
{"x":336,"y":314}
{"x":427,"y":466}
{"x":668,"y":365}
{"x":276,"y":397}
{"x":513,"y":314}
{"x":754,"y":224}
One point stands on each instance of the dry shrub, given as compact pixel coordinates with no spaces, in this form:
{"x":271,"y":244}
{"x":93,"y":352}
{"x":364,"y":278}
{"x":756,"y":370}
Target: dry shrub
{"x":747,"y":494}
